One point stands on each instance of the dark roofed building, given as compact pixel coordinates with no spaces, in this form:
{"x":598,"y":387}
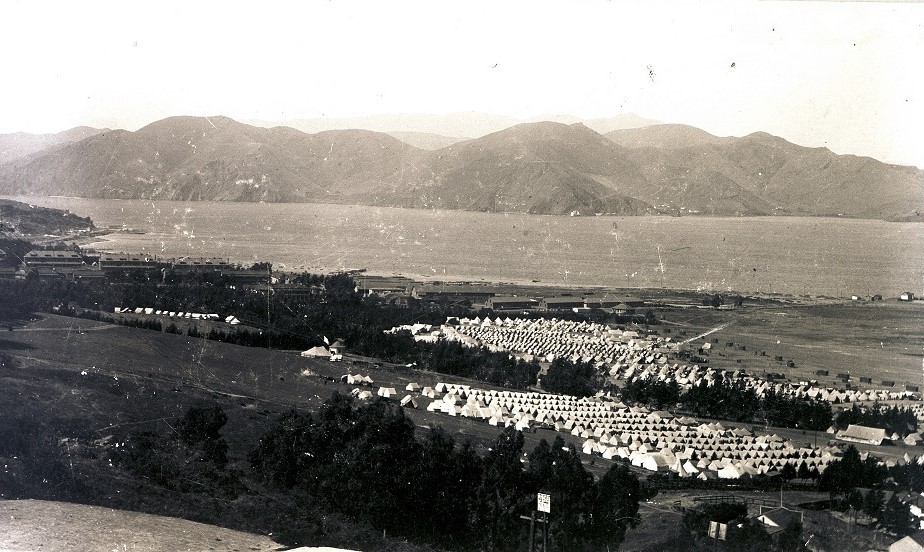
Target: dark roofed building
{"x":776,"y":520}
{"x":188,"y":265}
{"x":295,"y":292}
{"x":66,"y":273}
{"x":53,"y":259}
{"x":561,"y":303}
{"x":247,"y":277}
{"x":617,"y":302}
{"x":383,"y":284}
{"x":117,"y":262}
{"x":452,"y":292}
{"x":510,"y":302}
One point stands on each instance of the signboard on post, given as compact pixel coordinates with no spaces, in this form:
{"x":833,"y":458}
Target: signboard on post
{"x":545,"y":503}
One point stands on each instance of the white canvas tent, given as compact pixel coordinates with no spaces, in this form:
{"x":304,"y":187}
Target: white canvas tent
{"x":316,"y":352}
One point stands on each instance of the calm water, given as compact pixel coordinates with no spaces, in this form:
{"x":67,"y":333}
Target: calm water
{"x":818,"y":256}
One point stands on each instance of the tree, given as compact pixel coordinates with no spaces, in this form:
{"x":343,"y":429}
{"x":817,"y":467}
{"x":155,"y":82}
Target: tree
{"x":201,"y":427}
{"x":873,"y":502}
{"x":568,"y":378}
{"x":843,"y":475}
{"x":790,"y":540}
{"x":614,"y":506}
{"x":201,"y":423}
{"x":896,"y":517}
{"x":285,"y":451}
{"x":503,"y":493}
{"x":445,"y":485}
{"x":748,"y":535}
{"x":557,"y":471}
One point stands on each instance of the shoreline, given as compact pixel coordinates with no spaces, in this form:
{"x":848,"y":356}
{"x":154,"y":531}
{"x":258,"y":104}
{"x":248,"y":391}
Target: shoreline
{"x":97,"y":243}
{"x":544,"y":252}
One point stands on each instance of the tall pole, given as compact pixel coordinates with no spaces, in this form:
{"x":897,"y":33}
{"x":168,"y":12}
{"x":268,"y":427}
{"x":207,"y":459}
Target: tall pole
{"x":532,"y":533}
{"x":545,"y":532}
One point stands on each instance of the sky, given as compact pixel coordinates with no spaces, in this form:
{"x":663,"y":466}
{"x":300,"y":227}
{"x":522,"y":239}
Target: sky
{"x":844,"y":75}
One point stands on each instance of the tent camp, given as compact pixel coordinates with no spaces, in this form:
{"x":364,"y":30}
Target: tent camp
{"x":316,"y":352}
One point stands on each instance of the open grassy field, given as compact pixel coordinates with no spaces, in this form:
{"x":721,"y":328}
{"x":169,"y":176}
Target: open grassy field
{"x":882,"y":340}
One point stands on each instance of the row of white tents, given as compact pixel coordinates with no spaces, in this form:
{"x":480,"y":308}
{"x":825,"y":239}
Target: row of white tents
{"x":653,"y":440}
{"x":553,"y":338}
{"x":687,"y":376}
{"x":176,"y":314}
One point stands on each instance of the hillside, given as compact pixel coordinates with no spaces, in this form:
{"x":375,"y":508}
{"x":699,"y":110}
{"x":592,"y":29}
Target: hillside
{"x":20,"y":144}
{"x":663,"y":137}
{"x":79,"y":526}
{"x":214,"y":158}
{"x":548,"y":168}
{"x":771,"y":174}
{"x":27,"y":220}
{"x":469,"y":123}
{"x":541,"y":167}
{"x":425,"y":140}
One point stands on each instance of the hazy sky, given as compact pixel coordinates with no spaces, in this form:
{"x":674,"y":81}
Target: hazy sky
{"x":846,"y":75}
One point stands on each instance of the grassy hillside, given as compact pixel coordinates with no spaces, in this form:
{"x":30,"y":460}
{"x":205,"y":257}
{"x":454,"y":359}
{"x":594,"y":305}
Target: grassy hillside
{"x":20,"y":144}
{"x":23,"y":219}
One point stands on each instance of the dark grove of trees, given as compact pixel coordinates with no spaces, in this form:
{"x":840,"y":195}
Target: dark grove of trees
{"x":849,"y":472}
{"x":498,"y":368}
{"x":570,"y":378}
{"x":732,"y":400}
{"x":893,"y":419}
{"x":190,"y":459}
{"x":363,"y":460}
{"x":859,"y":484}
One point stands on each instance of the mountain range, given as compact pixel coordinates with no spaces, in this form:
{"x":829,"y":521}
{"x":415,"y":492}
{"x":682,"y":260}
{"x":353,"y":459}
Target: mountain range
{"x":538,"y":167}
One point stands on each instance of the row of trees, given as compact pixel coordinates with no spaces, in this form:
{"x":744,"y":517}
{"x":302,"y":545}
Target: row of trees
{"x":891,"y":418}
{"x":732,"y":400}
{"x":364,"y":461}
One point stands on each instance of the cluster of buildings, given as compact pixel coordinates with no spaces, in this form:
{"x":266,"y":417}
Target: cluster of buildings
{"x":496,"y":297}
{"x":74,"y":265}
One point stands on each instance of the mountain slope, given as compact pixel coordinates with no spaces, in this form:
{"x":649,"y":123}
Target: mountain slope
{"x":215,"y":158}
{"x":663,"y":137}
{"x":783,"y":177}
{"x":544,"y":167}
{"x":21,"y":144}
{"x":425,"y":140}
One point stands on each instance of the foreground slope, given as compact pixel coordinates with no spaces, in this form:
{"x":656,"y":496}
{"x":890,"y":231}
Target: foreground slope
{"x":45,"y":525}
